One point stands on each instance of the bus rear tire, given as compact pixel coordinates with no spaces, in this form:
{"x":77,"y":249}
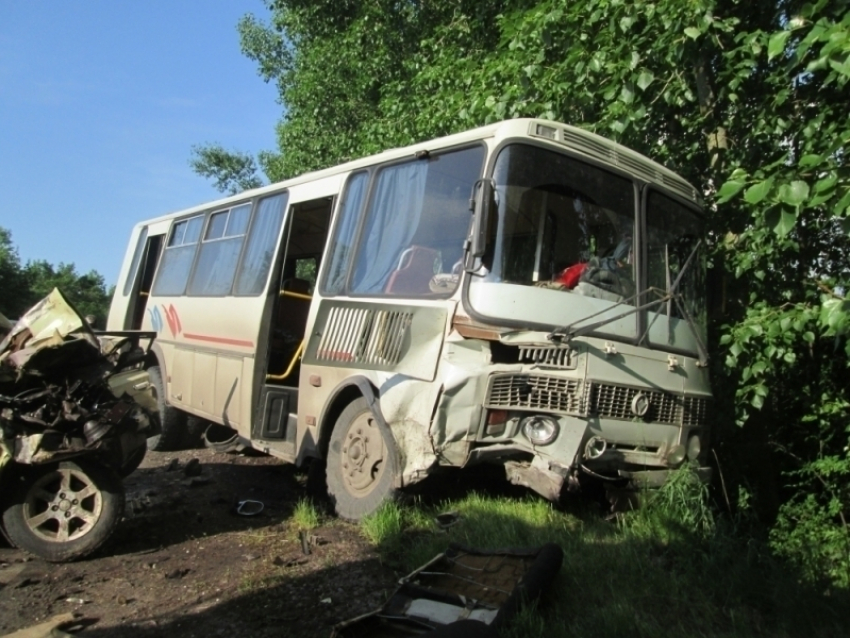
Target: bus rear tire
{"x":172,"y":422}
{"x":361,"y":464}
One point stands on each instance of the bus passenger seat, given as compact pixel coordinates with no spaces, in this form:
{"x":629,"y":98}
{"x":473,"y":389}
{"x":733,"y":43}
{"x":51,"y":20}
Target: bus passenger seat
{"x":414,"y":272}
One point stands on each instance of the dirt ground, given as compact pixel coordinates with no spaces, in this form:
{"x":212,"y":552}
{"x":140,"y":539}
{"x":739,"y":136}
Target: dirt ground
{"x":182,"y":563}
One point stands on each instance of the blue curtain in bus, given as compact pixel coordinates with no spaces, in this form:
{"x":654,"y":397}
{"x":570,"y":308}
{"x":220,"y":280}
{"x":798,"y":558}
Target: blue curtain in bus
{"x":392,"y":220}
{"x":259,"y":252}
{"x":349,"y":214}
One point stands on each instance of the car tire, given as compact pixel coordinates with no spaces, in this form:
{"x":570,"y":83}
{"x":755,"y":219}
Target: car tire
{"x":362,"y":463}
{"x":172,"y":422}
{"x":65,"y":511}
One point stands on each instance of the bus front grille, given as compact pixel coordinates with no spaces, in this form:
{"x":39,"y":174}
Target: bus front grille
{"x":535,"y":392}
{"x":615,"y":402}
{"x":544,"y":393}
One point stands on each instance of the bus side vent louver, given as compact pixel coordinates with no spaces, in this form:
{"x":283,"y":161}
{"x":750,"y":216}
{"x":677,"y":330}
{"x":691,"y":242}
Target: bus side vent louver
{"x":364,"y":336}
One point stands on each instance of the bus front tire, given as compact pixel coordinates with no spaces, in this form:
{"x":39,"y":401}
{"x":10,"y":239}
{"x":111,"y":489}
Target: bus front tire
{"x":172,"y":422}
{"x":361,"y":464}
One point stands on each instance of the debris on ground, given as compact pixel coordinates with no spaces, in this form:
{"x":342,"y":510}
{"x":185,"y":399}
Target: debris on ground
{"x":481,"y":589}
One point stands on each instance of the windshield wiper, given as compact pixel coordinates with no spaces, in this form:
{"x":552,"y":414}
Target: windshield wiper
{"x":570,"y":331}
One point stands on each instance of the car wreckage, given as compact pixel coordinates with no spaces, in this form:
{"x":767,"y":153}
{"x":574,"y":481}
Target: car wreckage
{"x":76,"y":408}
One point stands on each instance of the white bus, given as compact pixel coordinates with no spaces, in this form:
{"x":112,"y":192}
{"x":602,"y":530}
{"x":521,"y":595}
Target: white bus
{"x":525,"y":293}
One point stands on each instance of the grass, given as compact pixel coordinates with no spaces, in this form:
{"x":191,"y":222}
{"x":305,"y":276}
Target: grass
{"x":670,"y":568}
{"x":305,"y":516}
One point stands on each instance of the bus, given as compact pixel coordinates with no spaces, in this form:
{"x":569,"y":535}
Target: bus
{"x":526,"y":293}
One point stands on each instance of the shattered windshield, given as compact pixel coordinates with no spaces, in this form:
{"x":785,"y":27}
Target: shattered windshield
{"x":563,"y":224}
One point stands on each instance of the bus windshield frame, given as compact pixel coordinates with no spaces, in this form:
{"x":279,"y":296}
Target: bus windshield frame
{"x":591,"y":245}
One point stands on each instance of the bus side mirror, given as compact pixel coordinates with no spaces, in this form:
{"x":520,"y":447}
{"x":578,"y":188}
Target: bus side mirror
{"x":484,"y":207}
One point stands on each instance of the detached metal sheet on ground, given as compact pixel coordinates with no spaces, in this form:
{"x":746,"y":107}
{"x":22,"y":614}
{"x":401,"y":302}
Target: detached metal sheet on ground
{"x":482,"y":590}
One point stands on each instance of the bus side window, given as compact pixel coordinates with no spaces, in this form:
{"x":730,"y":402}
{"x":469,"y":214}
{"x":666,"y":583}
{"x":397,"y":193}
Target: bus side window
{"x":178,"y":256}
{"x":259,"y":250}
{"x":343,"y":238}
{"x":414,"y":208}
{"x":219,"y":252}
{"x":416,"y":267}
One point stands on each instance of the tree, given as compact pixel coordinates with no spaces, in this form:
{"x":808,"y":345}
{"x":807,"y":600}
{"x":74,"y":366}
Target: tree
{"x":232,"y":171}
{"x":22,"y":286}
{"x":748,"y":100}
{"x":13,"y":283}
{"x":87,"y":292}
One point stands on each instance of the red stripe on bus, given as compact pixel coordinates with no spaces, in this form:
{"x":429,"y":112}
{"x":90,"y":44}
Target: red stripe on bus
{"x":230,"y":342}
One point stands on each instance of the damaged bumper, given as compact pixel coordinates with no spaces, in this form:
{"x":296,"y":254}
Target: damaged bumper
{"x":549,"y":412}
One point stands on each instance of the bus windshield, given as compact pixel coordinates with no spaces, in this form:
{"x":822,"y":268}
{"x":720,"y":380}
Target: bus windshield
{"x":563,"y":224}
{"x":673,"y":248}
{"x":567,"y":225}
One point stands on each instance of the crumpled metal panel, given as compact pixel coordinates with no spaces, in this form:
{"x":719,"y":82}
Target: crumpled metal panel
{"x":461,"y":585}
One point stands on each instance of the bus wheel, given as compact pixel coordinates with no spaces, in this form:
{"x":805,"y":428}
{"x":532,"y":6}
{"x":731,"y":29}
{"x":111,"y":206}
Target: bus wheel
{"x":361,"y":470}
{"x":172,"y":422}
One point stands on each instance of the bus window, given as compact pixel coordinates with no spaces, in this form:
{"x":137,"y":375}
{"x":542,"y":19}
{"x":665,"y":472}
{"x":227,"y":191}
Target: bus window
{"x":178,"y":257}
{"x":219,"y":253}
{"x":137,"y":257}
{"x":565,"y":224}
{"x":416,"y":223}
{"x":257,"y":259}
{"x":673,"y":231}
{"x":340,"y":251}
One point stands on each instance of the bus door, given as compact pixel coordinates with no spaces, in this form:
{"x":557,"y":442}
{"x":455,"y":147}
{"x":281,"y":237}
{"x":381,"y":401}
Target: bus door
{"x":307,"y":233}
{"x":142,"y":270}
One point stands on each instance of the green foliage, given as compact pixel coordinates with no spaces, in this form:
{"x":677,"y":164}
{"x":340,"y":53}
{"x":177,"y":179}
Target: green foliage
{"x":13,"y":283}
{"x":748,"y":100}
{"x":305,"y":516}
{"x":232,"y":171}
{"x":665,"y":570}
{"x":23,"y":286}
{"x":805,"y":533}
{"x":681,"y":506}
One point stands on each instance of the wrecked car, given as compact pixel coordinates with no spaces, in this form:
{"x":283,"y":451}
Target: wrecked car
{"x":75,"y":412}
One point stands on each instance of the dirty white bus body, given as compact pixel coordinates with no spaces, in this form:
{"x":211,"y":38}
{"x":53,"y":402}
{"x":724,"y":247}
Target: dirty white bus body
{"x":526,"y":293}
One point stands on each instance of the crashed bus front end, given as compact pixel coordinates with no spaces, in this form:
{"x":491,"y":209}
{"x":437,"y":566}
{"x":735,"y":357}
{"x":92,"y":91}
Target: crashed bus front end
{"x":580,"y":339}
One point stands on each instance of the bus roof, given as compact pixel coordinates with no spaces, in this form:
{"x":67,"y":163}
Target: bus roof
{"x":576,"y":139}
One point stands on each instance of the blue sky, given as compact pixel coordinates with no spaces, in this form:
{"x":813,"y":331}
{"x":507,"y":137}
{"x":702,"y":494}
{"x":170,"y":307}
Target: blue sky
{"x":100,"y":104}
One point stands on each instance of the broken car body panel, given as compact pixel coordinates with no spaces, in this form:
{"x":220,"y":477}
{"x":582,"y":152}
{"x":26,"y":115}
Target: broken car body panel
{"x":75,"y":413}
{"x":460,"y":584}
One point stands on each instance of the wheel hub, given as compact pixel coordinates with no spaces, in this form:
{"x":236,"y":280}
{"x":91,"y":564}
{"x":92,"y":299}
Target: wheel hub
{"x":362,"y":456}
{"x":62,"y":506}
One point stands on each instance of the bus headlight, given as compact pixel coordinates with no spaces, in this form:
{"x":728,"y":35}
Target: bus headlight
{"x":540,"y":430}
{"x":694,"y":447}
{"x":676,"y":455}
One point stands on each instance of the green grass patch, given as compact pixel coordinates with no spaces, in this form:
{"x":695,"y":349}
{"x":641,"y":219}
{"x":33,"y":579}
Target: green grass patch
{"x":305,"y":516}
{"x":666,"y":569}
